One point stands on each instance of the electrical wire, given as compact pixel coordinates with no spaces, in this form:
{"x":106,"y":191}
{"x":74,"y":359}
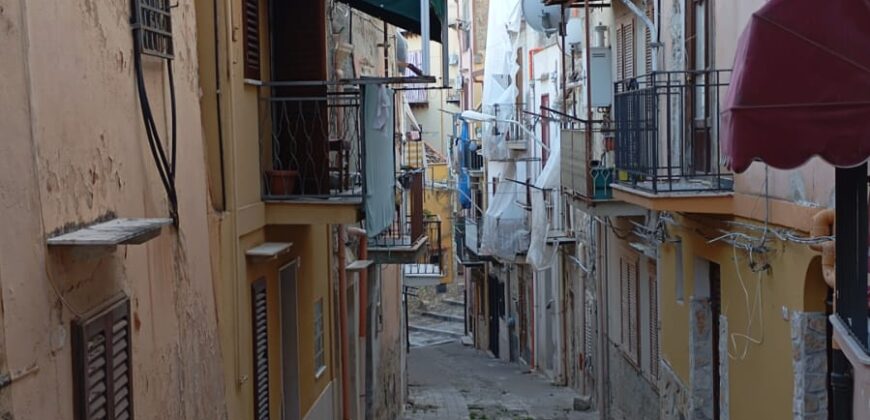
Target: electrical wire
{"x":165,"y":166}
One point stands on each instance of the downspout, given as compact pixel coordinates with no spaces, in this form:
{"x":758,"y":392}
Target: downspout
{"x":532,"y":323}
{"x":342,"y":324}
{"x":654,"y":34}
{"x":362,"y":254}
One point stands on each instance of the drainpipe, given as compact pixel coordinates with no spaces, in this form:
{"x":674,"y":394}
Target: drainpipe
{"x":650,"y":25}
{"x":532,"y":323}
{"x":342,"y":324}
{"x":362,"y":254}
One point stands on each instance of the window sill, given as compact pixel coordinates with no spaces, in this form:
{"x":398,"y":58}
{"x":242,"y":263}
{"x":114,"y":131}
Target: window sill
{"x":320,"y":372}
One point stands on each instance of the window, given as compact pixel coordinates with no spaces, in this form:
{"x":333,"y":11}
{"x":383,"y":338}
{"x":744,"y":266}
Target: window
{"x":259,"y":313}
{"x":319,"y":345}
{"x":102,"y":377}
{"x":629,"y":304}
{"x":251,"y":30}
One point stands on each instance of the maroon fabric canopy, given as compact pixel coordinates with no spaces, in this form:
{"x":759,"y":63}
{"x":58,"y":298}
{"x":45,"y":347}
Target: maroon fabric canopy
{"x":800,"y":86}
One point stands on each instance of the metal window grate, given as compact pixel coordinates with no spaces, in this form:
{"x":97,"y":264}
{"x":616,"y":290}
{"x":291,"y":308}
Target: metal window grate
{"x":155,"y":27}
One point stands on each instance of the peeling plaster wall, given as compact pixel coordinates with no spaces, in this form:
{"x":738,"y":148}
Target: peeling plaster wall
{"x":73,"y":151}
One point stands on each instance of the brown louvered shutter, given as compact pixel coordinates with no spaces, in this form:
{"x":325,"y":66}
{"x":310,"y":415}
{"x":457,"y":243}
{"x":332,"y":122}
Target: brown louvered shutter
{"x":653,"y":321}
{"x":633,"y":331}
{"x":259,"y":311}
{"x":251,"y":41}
{"x":620,"y":54}
{"x":102,"y":369}
{"x":623,"y":301}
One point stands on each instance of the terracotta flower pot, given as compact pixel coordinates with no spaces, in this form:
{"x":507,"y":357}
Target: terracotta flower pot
{"x":282,"y":182}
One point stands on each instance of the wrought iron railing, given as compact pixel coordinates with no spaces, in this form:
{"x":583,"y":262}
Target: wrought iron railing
{"x":473,"y":160}
{"x":514,"y":135}
{"x":667,"y":131}
{"x":311,"y":141}
{"x":403,"y":232}
{"x":431,"y":261}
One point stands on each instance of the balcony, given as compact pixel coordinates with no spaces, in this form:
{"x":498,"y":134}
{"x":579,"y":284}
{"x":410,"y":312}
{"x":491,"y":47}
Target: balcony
{"x":667,"y":141}
{"x":404,"y":242}
{"x":311,"y":151}
{"x":428,"y":269}
{"x":509,"y":135}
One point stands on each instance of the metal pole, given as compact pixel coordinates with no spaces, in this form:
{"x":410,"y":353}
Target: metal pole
{"x":407,"y":329}
{"x":424,"y":29}
{"x":588,"y":129}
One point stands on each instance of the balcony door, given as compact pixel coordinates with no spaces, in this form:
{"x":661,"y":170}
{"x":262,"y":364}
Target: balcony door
{"x":698,"y":145}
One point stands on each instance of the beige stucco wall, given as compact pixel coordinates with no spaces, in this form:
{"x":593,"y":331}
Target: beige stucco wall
{"x":761,"y":372}
{"x":74,"y":150}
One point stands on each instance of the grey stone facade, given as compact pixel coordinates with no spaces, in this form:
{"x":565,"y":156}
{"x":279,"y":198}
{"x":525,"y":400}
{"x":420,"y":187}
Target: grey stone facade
{"x":724,"y":400}
{"x":632,"y":396}
{"x":810,"y":358}
{"x":701,"y":360}
{"x":674,"y":398}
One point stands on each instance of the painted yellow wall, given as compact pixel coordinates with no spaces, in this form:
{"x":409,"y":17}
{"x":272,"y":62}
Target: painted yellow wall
{"x":760,"y":375}
{"x":440,"y":202}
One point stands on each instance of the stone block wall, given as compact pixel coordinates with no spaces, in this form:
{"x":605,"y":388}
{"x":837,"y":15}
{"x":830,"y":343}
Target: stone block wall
{"x":810,"y":358}
{"x":701,"y":360}
{"x":674,"y":397}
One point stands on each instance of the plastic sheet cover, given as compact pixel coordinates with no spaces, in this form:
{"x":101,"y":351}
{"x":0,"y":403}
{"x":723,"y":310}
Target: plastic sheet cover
{"x":379,"y":159}
{"x":504,"y":224}
{"x":540,"y":255}
{"x":499,"y":84}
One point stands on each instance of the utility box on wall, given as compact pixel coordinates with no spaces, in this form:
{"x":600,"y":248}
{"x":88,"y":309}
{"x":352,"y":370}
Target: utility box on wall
{"x":600,"y":77}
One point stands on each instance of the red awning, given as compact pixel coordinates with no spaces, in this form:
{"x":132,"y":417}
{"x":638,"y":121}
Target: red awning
{"x":800,"y":86}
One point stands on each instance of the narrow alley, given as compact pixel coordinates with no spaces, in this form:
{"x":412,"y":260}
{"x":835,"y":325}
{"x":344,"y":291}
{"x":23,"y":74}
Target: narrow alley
{"x":453,"y":381}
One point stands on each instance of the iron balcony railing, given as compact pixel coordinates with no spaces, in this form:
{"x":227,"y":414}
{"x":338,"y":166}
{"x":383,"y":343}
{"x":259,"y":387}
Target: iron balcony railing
{"x":403,"y":232}
{"x":311,"y":141}
{"x":431,"y":261}
{"x":472,"y":159}
{"x":514,"y":136}
{"x":667,"y":131}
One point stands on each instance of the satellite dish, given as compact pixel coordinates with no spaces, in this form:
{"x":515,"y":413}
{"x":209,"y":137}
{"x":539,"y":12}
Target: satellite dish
{"x":574,"y":32}
{"x":542,"y":18}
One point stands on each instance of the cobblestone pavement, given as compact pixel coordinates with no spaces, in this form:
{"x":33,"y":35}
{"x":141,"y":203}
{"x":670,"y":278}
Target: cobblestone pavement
{"x":451,"y":381}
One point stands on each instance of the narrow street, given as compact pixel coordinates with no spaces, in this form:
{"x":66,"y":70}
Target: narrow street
{"x":452,"y":381}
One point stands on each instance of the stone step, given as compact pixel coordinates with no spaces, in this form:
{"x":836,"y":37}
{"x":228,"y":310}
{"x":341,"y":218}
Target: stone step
{"x":454,"y":302}
{"x":435,"y":330}
{"x":442,"y":316}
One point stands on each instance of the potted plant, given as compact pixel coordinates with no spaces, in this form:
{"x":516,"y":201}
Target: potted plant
{"x":282,"y":181}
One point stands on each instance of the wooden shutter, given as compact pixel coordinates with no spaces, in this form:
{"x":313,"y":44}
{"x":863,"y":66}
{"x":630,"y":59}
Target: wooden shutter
{"x":259,"y":312}
{"x":102,"y":369}
{"x":251,"y":38}
{"x":629,"y":45}
{"x":633,"y":314}
{"x":653,"y":321}
{"x":620,"y":54}
{"x":623,"y":302}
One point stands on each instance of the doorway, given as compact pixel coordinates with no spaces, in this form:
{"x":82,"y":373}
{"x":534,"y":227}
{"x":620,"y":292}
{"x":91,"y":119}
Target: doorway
{"x":287,"y":276}
{"x":706,"y":363}
{"x":496,"y":305}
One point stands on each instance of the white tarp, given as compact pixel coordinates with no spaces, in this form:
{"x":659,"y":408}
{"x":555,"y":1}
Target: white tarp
{"x":500,"y":69}
{"x":539,"y":256}
{"x":504,"y":224}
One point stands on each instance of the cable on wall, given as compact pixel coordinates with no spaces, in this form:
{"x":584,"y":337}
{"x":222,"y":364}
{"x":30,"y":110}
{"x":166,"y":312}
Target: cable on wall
{"x":151,"y":22}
